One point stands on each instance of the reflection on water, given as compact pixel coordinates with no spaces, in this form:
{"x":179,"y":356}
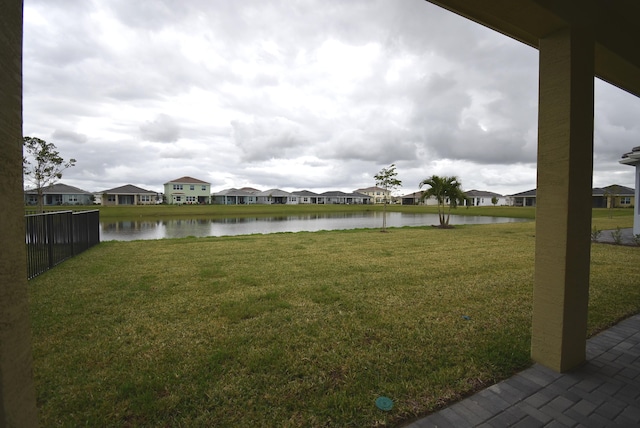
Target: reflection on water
{"x":181,"y":228}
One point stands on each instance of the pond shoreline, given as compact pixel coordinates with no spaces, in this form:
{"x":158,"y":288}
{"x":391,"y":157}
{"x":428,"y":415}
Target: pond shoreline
{"x":136,"y":229}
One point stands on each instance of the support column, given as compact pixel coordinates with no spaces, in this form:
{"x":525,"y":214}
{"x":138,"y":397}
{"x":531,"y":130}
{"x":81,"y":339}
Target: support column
{"x":17,"y":392}
{"x":563,"y":211}
{"x":636,"y":215}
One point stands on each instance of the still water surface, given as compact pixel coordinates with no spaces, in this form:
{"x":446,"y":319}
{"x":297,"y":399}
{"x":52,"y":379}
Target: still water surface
{"x":181,"y":228}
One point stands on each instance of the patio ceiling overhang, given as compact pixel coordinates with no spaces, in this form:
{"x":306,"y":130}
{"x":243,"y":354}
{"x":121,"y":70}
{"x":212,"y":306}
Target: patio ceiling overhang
{"x":615,"y":27}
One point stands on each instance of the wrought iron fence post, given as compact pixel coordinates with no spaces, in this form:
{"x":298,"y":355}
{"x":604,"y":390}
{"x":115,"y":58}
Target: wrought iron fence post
{"x":72,"y":235}
{"x":48,"y":235}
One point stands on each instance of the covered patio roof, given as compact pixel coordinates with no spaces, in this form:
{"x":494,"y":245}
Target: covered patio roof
{"x":614,"y":24}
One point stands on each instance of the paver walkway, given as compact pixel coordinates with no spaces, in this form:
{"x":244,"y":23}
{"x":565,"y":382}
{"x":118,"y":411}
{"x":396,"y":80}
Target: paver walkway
{"x":604,"y":392}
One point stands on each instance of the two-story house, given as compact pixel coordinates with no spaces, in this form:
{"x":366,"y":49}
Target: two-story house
{"x":378,"y":194}
{"x":187,"y":190}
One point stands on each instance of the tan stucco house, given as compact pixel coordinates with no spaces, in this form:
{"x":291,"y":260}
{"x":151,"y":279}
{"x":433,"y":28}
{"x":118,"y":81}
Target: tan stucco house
{"x":126,"y":195}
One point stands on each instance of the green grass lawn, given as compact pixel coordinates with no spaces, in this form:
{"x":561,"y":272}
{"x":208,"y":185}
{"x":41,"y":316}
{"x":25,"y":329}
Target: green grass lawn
{"x":295,"y":329}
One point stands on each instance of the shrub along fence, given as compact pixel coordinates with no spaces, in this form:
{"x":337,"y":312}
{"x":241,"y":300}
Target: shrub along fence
{"x":56,"y":236}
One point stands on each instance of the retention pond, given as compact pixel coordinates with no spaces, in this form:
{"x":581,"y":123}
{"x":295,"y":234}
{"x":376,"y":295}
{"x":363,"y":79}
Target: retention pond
{"x":129,"y":230}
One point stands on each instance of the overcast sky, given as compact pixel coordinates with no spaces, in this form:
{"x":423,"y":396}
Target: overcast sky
{"x":305,"y":94}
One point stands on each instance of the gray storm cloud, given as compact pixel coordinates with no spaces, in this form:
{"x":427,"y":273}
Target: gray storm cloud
{"x":146,"y":91}
{"x":162,"y":129}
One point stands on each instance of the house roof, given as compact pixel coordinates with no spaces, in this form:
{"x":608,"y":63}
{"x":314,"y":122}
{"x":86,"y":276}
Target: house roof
{"x":412,"y":195}
{"x":333,"y":193}
{"x":337,"y":193}
{"x":370,"y":189}
{"x":273,"y":192}
{"x":59,"y":189}
{"x":129,"y":189}
{"x":482,"y":193}
{"x":233,"y":192}
{"x":614,"y":189}
{"x":596,"y":191}
{"x":187,"y":180}
{"x":359,"y":195}
{"x":250,"y":189}
{"x":305,"y":193}
{"x":530,"y":193}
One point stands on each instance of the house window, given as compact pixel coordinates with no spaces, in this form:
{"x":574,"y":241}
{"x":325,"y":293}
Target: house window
{"x":177,"y":187}
{"x":145,"y":198}
{"x":192,"y":187}
{"x":625,"y":200}
{"x":178,"y":198}
{"x":191,"y":198}
{"x":111,"y":198}
{"x":204,"y":187}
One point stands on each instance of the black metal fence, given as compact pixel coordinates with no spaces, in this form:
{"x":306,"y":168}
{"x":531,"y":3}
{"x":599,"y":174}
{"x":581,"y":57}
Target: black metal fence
{"x":56,"y":236}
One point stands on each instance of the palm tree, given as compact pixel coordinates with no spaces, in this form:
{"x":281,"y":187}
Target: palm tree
{"x":446,"y":191}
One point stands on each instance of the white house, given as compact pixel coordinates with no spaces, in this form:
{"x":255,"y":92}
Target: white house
{"x":483,"y":198}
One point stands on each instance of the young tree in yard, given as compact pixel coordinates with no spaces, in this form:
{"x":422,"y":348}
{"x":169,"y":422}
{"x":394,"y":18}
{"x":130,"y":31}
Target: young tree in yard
{"x":387,"y":180}
{"x":42,"y":165}
{"x":447,"y":191}
{"x":610,"y":195}
{"x":494,"y":201}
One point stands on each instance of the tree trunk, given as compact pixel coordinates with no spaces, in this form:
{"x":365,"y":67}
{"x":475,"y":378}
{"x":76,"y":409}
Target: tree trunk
{"x":441,"y":213}
{"x":40,"y":201}
{"x":384,"y":216}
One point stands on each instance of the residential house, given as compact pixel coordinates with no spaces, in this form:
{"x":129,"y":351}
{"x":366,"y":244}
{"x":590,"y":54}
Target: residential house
{"x":308,"y":197}
{"x":250,"y":189}
{"x":415,"y":198}
{"x":524,"y":199}
{"x":412,"y":199}
{"x":59,"y":194}
{"x":276,"y":196}
{"x":234,"y":197}
{"x":127,"y":195}
{"x":337,"y":197}
{"x":187,"y":190}
{"x":378,"y":195}
{"x":483,"y":198}
{"x":613,"y":196}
